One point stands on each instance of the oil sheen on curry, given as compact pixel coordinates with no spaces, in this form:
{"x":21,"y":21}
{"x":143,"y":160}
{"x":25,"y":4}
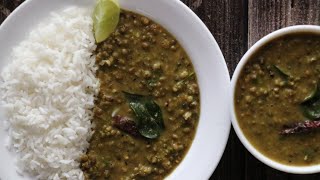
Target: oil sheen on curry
{"x":148,"y":106}
{"x":277,"y":99}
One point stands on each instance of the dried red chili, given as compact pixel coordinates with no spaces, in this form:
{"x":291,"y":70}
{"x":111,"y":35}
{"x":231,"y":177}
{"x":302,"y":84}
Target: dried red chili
{"x":126,"y":124}
{"x":302,"y":127}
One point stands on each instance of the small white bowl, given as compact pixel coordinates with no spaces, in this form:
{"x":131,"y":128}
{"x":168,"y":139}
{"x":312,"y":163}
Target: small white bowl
{"x":266,"y":160}
{"x":211,"y":70}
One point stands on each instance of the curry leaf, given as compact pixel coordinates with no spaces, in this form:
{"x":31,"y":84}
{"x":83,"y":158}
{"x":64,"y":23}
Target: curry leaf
{"x":281,"y":72}
{"x":311,"y":104}
{"x":148,"y":115}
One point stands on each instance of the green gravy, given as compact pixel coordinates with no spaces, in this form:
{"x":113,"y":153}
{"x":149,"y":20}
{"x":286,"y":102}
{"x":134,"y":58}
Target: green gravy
{"x":141,"y":57}
{"x":266,"y":99}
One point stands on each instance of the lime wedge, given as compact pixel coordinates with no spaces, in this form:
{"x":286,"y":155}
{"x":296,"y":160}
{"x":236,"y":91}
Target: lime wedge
{"x":105,"y":18}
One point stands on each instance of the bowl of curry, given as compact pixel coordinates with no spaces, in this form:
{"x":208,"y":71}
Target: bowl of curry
{"x":275,"y":99}
{"x":152,"y":115}
{"x":161,"y":110}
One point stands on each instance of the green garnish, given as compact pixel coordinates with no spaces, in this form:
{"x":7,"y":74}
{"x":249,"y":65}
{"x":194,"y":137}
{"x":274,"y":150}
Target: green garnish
{"x":148,"y":115}
{"x":187,"y":78}
{"x":105,"y":18}
{"x":311,"y":104}
{"x":281,"y":72}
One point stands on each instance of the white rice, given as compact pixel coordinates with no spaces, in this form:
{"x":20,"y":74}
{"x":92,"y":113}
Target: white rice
{"x":48,"y":92}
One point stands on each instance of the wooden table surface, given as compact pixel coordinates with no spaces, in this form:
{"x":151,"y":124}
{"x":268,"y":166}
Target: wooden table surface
{"x":237,"y":25}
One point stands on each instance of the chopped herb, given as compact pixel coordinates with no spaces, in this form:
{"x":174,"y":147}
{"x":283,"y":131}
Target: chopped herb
{"x":187,"y":78}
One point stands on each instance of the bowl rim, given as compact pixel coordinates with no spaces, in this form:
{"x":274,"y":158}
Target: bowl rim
{"x":256,"y":153}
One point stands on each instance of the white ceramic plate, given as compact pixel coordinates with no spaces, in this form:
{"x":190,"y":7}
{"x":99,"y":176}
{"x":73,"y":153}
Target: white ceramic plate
{"x":213,"y":77}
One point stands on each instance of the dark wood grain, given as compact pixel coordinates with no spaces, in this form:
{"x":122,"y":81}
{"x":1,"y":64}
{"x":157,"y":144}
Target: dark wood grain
{"x":7,"y":6}
{"x":237,"y":25}
{"x":266,"y":16}
{"x":227,"y":20}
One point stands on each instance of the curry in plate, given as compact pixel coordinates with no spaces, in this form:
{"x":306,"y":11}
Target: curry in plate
{"x":148,"y":106}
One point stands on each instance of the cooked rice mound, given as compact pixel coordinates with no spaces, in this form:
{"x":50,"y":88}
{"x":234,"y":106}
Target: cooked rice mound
{"x":47,"y":92}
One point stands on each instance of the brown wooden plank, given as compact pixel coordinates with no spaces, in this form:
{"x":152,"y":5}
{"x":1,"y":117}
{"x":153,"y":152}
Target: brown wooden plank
{"x":266,"y":16}
{"x":227,"y":21}
{"x":7,"y":6}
